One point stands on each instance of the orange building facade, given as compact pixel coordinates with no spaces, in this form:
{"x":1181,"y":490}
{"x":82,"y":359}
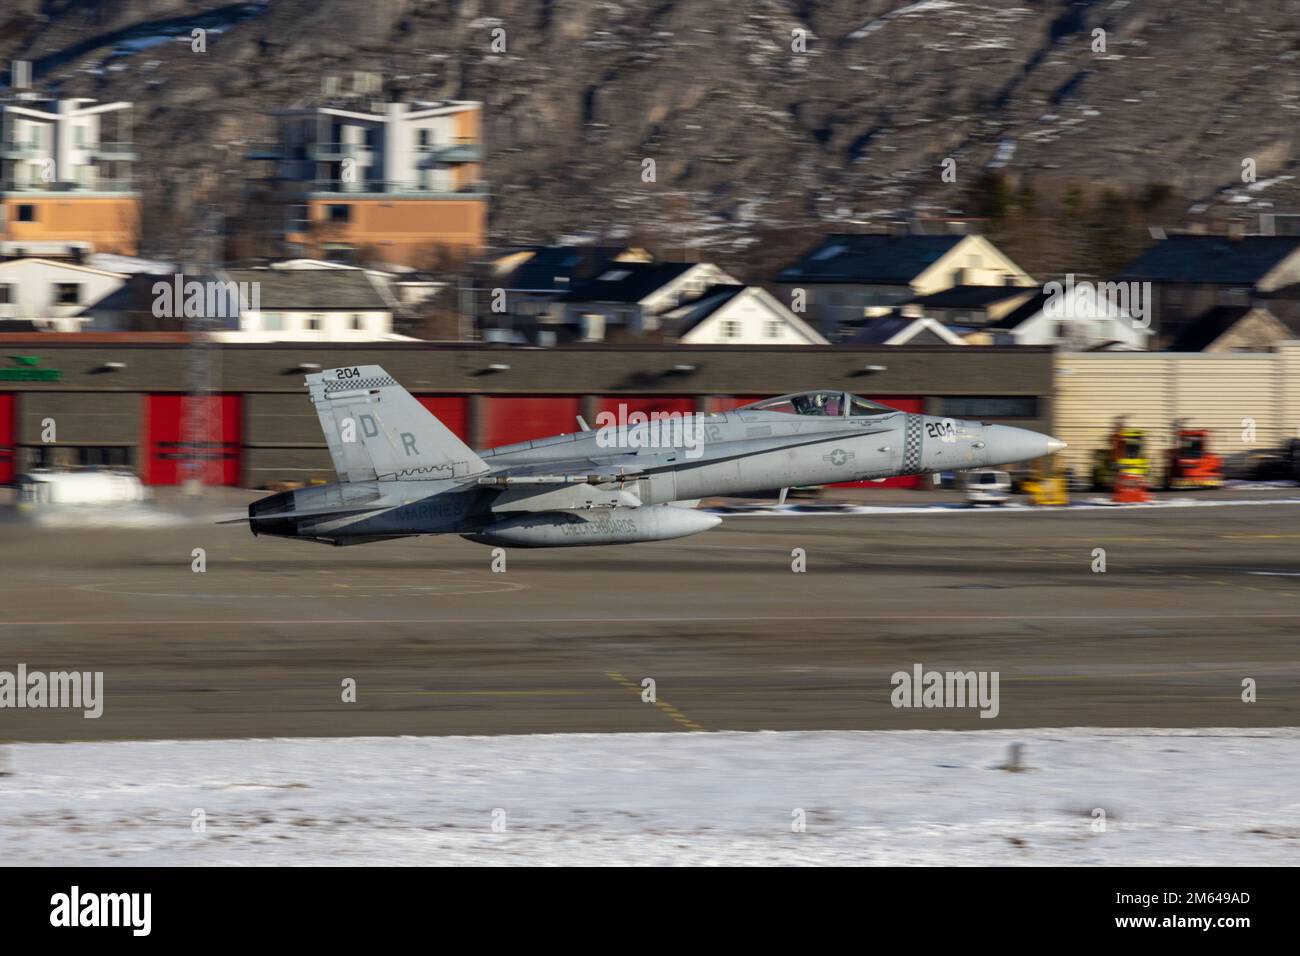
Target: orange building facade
{"x":389,"y":181}
{"x":35,"y":221}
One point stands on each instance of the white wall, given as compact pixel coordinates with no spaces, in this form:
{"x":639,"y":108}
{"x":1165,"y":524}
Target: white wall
{"x":1226,"y":392}
{"x":33,"y":284}
{"x":1090,"y":323}
{"x":334,"y":326}
{"x":752,"y":311}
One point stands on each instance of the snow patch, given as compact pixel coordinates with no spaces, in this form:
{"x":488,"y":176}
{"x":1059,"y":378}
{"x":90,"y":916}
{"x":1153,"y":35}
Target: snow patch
{"x":1185,"y":797}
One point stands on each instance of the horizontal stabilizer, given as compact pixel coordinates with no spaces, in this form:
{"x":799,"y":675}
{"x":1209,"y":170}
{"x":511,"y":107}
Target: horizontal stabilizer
{"x":311,"y":513}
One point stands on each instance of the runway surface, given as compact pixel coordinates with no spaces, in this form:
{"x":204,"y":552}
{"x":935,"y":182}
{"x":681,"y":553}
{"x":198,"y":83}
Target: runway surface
{"x":1192,"y":602}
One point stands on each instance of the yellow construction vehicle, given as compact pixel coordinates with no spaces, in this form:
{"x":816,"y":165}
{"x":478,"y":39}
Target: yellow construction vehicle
{"x":1049,"y":484}
{"x":1125,"y":456}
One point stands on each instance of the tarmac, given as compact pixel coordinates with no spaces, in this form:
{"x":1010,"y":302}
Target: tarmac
{"x":262,"y":642}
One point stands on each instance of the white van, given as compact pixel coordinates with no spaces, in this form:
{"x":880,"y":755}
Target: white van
{"x":54,"y":486}
{"x":987,"y":486}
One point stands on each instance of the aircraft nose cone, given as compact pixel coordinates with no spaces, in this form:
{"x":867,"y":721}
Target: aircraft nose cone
{"x":1007,"y":445}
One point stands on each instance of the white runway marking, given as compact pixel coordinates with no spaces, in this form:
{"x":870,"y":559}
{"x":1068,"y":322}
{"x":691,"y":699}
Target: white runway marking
{"x":852,"y":511}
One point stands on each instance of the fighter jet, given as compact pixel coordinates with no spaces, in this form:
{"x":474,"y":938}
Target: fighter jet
{"x":402,"y":472}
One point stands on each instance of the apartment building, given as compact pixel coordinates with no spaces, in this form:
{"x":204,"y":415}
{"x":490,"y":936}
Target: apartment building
{"x":65,"y":176}
{"x":372,"y":179}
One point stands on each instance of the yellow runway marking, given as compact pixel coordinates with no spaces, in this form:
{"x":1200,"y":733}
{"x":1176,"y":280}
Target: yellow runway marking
{"x":664,"y":706}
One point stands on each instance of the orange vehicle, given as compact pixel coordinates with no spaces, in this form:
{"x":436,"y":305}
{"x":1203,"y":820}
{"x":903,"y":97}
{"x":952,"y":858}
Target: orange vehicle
{"x":1190,"y":464}
{"x":1125,"y":456}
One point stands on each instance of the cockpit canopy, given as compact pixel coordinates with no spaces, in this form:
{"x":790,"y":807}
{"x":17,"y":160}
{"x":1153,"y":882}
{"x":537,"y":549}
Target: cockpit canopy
{"x":826,"y":402}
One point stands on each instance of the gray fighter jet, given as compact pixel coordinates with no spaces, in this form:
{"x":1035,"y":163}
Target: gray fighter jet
{"x":633,"y":478}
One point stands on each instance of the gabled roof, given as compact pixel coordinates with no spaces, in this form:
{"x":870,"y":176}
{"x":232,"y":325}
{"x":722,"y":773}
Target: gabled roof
{"x":694,"y":311}
{"x":628,"y":281}
{"x":1202,"y":333}
{"x":1216,"y":260}
{"x":560,"y":268}
{"x":1291,"y":292}
{"x":1026,"y":310}
{"x":970,"y":296}
{"x":869,"y":258}
{"x":135,"y":294}
{"x":59,"y":264}
{"x":318,"y":290}
{"x":901,"y":329}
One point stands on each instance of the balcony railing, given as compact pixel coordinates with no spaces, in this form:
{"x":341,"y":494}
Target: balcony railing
{"x":333,"y":152}
{"x":97,"y":186}
{"x":21,"y":150}
{"x":396,"y":187}
{"x":463,"y":150}
{"x":120,"y":151}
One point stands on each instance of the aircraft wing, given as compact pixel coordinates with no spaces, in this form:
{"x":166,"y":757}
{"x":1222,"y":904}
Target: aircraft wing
{"x":619,"y":467}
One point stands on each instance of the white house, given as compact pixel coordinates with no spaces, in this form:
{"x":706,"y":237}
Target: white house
{"x":311,"y":305}
{"x":738,"y":315}
{"x":1077,"y":321}
{"x":52,"y":296}
{"x":632,"y":296}
{"x":406,"y":286}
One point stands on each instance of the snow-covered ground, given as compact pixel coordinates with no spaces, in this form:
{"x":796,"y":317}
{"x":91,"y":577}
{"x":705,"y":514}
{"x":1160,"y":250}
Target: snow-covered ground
{"x":1094,"y":503}
{"x":900,"y":797}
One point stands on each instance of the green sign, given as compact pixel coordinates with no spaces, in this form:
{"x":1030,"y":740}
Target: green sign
{"x":27,"y":368}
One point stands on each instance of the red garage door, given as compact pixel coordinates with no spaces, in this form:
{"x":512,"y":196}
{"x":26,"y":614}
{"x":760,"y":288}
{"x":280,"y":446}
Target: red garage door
{"x":511,"y":420}
{"x":451,"y":410}
{"x":166,"y":448}
{"x":7,"y":448}
{"x":646,"y":404}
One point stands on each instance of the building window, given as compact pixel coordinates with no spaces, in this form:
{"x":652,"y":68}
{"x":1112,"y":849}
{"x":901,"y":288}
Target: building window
{"x":773,"y":328}
{"x":356,"y":323}
{"x":272,"y":322}
{"x":731,"y":328}
{"x":313,"y":323}
{"x":338,"y":212}
{"x":6,"y":294}
{"x":989,"y":406}
{"x":67,"y":293}
{"x":26,"y":212}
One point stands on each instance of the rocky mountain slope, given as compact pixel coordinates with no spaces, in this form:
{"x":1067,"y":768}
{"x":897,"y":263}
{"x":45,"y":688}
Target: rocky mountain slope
{"x":756,"y":144}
